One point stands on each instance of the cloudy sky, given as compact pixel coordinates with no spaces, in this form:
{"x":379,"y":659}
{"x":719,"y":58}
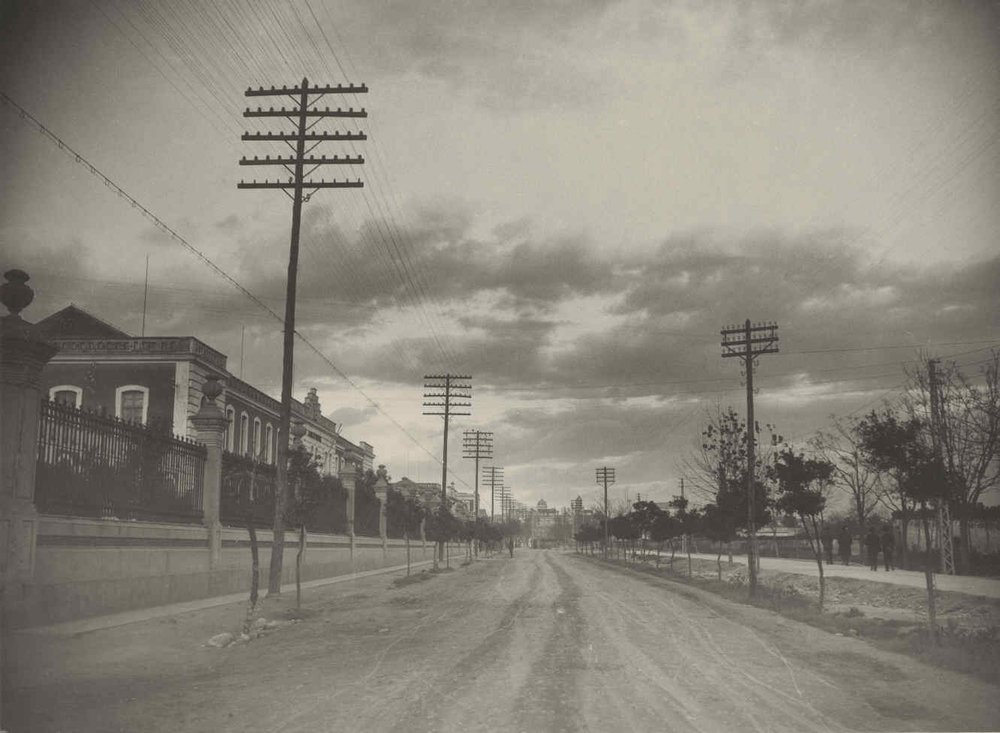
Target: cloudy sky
{"x":565,"y":200}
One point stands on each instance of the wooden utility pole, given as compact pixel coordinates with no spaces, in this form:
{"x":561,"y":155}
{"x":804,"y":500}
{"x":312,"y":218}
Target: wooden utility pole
{"x":449,"y":390}
{"x":304,"y":98}
{"x":605,"y":476}
{"x":747,"y":342}
{"x":477,"y":444}
{"x":937,"y":438}
{"x":493,"y":474}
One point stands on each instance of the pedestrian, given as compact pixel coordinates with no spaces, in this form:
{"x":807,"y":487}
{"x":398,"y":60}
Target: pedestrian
{"x":510,"y":545}
{"x":826,"y":538}
{"x":844,"y":545}
{"x":872,"y":545}
{"x":888,"y":546}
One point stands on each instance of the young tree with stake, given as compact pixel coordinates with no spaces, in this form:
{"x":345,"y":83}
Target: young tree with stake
{"x":801,"y":482}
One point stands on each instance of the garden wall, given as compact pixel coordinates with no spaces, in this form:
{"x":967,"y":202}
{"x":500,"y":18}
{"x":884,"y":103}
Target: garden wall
{"x":89,"y":567}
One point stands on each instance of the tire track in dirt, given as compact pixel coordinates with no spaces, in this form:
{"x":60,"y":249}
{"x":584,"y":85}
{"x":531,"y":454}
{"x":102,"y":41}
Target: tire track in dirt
{"x":484,"y":681}
{"x":551,"y":696}
{"x":715,"y":689}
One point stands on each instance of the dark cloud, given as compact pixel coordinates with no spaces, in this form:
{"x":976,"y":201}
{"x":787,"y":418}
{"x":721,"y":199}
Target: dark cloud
{"x":349,"y":416}
{"x":867,"y":24}
{"x":499,"y":51}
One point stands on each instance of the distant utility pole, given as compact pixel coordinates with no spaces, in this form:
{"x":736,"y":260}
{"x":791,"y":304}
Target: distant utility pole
{"x":937,"y":438}
{"x":494,"y":476}
{"x":446,"y":393}
{"x":747,"y":342}
{"x":303,"y":117}
{"x":605,"y":476}
{"x":477,"y":444}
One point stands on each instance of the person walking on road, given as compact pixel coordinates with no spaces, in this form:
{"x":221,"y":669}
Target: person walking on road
{"x":510,"y":545}
{"x":826,"y":538}
{"x":872,"y":545}
{"x":844,"y":545}
{"x":888,"y":546}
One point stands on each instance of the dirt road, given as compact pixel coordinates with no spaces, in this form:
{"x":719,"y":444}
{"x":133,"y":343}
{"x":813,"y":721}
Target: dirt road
{"x":543,"y":642}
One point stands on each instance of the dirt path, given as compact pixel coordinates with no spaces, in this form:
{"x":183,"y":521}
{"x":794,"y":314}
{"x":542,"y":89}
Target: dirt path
{"x":543,"y":642}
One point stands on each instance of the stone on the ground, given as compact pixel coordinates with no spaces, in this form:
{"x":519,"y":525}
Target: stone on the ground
{"x":260,"y":623}
{"x":221,"y":640}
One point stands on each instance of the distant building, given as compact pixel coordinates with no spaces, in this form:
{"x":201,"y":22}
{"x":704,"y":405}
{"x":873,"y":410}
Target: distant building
{"x":158,"y":381}
{"x":428,"y":494}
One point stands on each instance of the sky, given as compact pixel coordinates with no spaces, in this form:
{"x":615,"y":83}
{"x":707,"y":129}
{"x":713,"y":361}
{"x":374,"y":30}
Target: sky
{"x":564,"y":200}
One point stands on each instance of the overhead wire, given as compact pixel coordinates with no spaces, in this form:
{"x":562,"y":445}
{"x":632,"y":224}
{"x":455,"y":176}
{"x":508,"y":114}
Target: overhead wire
{"x":164,"y":227}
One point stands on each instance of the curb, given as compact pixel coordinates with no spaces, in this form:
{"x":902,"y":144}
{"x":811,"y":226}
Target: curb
{"x":98,"y":623}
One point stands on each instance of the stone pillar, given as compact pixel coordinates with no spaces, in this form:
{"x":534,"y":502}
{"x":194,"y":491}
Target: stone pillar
{"x":23,"y":354}
{"x":210,"y":425}
{"x":382,"y":494}
{"x":348,"y":477}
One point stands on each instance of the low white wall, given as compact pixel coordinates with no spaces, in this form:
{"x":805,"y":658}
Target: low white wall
{"x":88,"y":567}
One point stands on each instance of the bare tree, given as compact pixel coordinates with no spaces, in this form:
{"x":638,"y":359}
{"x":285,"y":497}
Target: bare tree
{"x":967,"y":431}
{"x":852,"y":475}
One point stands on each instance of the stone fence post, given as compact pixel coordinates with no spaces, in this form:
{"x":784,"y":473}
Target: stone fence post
{"x":23,"y":355}
{"x":382,"y":494}
{"x":210,"y":425}
{"x":348,"y":478}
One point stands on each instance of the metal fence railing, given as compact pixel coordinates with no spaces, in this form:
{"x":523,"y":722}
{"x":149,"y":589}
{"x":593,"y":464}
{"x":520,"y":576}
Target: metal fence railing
{"x":90,"y":465}
{"x":247,"y":491}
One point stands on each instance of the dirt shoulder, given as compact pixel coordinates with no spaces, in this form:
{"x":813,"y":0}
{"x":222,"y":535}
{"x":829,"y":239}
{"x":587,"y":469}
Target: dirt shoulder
{"x":892,"y":616}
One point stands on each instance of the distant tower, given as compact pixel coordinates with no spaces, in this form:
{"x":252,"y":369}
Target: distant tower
{"x":311,"y":405}
{"x":576,"y":505}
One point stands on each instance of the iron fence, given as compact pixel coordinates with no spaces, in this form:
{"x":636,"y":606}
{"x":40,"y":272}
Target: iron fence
{"x":90,"y":465}
{"x":247,"y":491}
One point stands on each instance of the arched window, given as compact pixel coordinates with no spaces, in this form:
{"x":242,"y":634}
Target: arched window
{"x":269,"y":443}
{"x":67,"y":394}
{"x":132,"y":403}
{"x":230,"y":428}
{"x":244,"y":433}
{"x":256,"y":440}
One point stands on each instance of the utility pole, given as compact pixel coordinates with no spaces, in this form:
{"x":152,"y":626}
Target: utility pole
{"x":477,"y":444}
{"x":303,"y":116}
{"x":493,"y":474}
{"x":447,"y":391}
{"x":605,"y":476}
{"x":747,"y":342}
{"x":937,"y":438}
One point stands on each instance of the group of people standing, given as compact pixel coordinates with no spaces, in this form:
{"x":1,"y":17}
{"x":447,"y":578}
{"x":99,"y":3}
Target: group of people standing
{"x":874,"y":542}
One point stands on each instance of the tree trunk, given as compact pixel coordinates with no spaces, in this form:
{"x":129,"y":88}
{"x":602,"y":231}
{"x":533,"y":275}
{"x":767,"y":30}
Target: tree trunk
{"x":718,"y":560}
{"x":816,"y":545}
{"x":298,"y":566}
{"x":407,"y":536}
{"x":255,"y":578}
{"x":688,"y":543}
{"x":929,"y":573}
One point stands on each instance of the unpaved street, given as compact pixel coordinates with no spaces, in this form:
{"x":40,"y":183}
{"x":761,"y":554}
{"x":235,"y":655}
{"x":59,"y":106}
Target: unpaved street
{"x":544,"y":642}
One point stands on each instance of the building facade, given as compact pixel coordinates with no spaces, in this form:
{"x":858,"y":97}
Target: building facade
{"x":158,"y":381}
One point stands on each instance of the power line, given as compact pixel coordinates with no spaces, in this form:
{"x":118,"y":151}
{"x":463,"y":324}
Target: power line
{"x":149,"y":215}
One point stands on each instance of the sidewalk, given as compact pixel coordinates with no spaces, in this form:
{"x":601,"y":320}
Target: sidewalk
{"x":95,"y":623}
{"x":986,"y":587}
